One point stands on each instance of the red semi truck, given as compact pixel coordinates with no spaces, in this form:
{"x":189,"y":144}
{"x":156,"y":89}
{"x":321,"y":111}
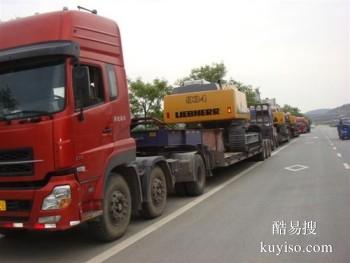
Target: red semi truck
{"x":303,"y":125}
{"x":66,"y":152}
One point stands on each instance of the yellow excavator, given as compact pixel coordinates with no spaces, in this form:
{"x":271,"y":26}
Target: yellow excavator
{"x":209,"y":106}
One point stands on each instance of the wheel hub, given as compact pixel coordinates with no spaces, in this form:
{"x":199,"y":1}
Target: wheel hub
{"x":118,"y":207}
{"x":158,"y":191}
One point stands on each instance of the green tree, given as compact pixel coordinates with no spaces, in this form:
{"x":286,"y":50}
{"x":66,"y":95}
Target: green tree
{"x":146,"y":98}
{"x":211,"y":73}
{"x":216,"y":72}
{"x":293,"y":110}
{"x":253,"y":95}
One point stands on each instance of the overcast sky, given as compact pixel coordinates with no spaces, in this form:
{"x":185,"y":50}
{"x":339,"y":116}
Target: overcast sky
{"x":297,"y":51}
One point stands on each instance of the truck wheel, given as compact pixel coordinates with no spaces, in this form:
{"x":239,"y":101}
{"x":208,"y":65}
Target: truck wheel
{"x":262,"y":155}
{"x":269,"y":142}
{"x":273,"y":145}
{"x":115,"y":219}
{"x":288,"y":138}
{"x":275,"y":142}
{"x":157,"y":194}
{"x":197,"y":188}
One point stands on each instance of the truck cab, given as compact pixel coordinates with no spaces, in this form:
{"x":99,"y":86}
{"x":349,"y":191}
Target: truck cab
{"x":343,"y":128}
{"x":64,"y":119}
{"x":261,"y":114}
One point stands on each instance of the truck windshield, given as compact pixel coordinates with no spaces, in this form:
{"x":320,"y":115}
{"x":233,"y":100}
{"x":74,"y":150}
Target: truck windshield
{"x":345,"y":121}
{"x":32,"y":89}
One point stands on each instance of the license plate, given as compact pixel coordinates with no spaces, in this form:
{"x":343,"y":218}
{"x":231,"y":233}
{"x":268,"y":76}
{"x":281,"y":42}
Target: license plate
{"x":2,"y":205}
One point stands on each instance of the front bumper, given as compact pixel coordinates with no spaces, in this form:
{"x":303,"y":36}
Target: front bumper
{"x":345,"y":134}
{"x":23,"y":208}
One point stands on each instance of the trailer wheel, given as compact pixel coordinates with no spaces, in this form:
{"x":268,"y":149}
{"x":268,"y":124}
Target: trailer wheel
{"x":288,"y":137}
{"x":261,"y":156}
{"x":266,"y":149}
{"x":273,"y":144}
{"x":277,"y":142}
{"x":157,"y":194}
{"x":197,"y":188}
{"x":115,"y":219}
{"x":269,"y":148}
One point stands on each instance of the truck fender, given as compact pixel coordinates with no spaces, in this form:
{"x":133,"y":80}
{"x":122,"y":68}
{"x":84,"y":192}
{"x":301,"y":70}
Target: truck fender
{"x":122,"y":163}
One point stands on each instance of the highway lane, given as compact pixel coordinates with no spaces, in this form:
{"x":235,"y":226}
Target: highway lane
{"x":341,"y":147}
{"x":229,"y":225}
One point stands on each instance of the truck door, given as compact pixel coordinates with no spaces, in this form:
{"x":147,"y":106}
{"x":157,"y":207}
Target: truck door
{"x":93,"y":130}
{"x":118,"y":98}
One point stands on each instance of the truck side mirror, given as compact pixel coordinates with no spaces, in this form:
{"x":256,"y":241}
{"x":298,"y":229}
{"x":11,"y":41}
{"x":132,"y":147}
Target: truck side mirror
{"x":81,"y":82}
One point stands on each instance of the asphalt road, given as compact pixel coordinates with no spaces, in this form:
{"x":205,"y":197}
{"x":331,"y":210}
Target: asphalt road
{"x":250,"y":213}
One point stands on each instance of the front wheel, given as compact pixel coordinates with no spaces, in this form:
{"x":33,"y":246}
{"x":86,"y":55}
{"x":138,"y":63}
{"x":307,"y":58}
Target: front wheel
{"x":157,"y":194}
{"x":115,"y":219}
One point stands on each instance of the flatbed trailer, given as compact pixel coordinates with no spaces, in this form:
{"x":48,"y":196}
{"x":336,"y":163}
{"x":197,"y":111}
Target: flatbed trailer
{"x":181,"y":148}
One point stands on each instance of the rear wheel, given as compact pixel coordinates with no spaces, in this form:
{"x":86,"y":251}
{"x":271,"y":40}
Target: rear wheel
{"x":157,"y":194}
{"x":197,"y":188}
{"x":262,"y":155}
{"x":273,"y":144}
{"x":115,"y":219}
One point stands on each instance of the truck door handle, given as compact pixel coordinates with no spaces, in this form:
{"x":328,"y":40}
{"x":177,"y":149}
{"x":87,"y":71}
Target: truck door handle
{"x":107,"y":130}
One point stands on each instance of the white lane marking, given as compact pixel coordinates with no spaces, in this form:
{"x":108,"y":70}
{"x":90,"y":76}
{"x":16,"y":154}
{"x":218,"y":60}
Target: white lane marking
{"x":282,"y":148}
{"x":346,"y":166}
{"x":296,"y":167}
{"x":334,"y":148}
{"x":148,"y":230}
{"x":339,"y":155}
{"x":329,"y":140}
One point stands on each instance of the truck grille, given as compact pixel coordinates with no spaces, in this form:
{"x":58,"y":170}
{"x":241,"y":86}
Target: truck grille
{"x":18,"y":205}
{"x":16,"y":156}
{"x":14,"y":218}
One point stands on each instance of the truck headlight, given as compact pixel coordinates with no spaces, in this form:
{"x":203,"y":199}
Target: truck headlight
{"x":59,"y":198}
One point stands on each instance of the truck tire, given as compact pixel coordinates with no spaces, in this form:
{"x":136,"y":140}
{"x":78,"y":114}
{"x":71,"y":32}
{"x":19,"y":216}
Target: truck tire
{"x":273,"y":144}
{"x":115,"y":219}
{"x":157,"y":194}
{"x":197,"y":188}
{"x":262,"y":155}
{"x":275,"y":141}
{"x":288,"y":137}
{"x":269,"y":147}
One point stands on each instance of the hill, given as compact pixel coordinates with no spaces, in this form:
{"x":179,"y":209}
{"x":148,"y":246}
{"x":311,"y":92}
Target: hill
{"x":329,"y":116}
